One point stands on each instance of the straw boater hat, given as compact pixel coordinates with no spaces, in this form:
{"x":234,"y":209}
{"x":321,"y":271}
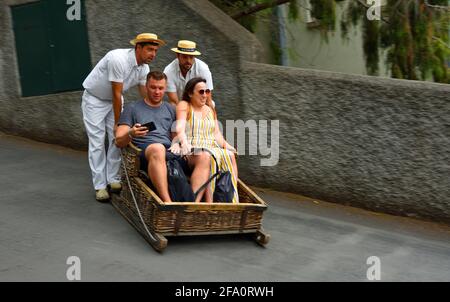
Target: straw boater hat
{"x":186,"y":47}
{"x":147,"y":37}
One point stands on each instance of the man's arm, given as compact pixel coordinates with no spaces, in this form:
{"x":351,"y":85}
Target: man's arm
{"x":173,"y":98}
{"x":125,"y":134}
{"x":122,"y":136}
{"x":117,"y":101}
{"x":171,"y":89}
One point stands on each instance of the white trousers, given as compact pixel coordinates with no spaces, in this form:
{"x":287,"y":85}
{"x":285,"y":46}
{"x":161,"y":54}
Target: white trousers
{"x":98,"y":117}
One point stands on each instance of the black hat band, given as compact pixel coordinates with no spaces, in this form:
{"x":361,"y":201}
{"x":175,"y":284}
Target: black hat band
{"x":186,"y":49}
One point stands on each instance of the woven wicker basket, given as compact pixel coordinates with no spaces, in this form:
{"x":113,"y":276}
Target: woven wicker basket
{"x":184,"y":218}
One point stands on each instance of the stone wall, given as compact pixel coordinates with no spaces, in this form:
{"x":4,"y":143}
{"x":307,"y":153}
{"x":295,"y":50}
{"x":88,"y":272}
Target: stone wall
{"x":381,"y":144}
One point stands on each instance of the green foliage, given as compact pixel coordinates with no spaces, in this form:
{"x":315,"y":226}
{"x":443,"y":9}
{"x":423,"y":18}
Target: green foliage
{"x":325,"y":12}
{"x":276,"y":51}
{"x":371,"y":38}
{"x":414,"y":33}
{"x":293,"y":12}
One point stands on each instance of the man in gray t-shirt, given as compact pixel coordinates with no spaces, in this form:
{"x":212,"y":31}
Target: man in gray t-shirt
{"x":142,"y":113}
{"x":153,"y":143}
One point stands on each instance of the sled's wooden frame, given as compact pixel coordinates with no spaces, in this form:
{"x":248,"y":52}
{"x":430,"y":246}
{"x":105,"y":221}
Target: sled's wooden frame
{"x":184,"y":218}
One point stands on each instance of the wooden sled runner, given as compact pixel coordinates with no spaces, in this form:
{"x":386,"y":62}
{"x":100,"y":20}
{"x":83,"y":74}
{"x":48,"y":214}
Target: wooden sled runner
{"x":183,"y":218}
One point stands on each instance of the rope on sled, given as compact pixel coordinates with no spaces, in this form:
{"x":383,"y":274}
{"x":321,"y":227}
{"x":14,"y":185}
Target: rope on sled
{"x":134,"y":199}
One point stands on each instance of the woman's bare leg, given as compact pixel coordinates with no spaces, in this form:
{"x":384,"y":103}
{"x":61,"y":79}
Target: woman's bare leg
{"x":208,"y":195}
{"x":234,"y":163}
{"x":201,"y":163}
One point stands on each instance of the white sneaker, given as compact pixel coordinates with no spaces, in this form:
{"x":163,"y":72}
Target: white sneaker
{"x":101,"y":195}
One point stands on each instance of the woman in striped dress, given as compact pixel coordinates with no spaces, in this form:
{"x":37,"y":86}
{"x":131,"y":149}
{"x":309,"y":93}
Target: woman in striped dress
{"x":197,"y":127}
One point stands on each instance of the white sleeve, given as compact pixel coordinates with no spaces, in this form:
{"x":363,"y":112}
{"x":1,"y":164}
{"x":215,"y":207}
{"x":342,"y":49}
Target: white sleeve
{"x":208,"y":78}
{"x":143,"y":75}
{"x":171,"y":87}
{"x":116,"y":71}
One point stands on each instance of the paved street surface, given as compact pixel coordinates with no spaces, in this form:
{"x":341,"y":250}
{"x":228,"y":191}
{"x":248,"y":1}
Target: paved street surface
{"x":48,"y":213}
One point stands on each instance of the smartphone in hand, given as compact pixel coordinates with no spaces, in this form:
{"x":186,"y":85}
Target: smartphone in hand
{"x":150,"y":126}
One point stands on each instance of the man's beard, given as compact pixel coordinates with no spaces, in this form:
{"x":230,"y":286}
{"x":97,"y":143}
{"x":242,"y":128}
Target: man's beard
{"x":184,"y":69}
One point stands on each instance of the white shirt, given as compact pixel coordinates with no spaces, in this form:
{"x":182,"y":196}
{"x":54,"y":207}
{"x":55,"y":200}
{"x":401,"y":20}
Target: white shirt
{"x":118,"y":65}
{"x":175,"y":80}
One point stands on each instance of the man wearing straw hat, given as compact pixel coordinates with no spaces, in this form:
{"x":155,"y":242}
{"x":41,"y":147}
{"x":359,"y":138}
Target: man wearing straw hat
{"x":102,"y":102}
{"x":185,"y":67}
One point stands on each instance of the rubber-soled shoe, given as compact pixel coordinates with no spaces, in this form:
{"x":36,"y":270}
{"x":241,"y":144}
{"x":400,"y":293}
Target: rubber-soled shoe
{"x":115,"y":187}
{"x":102,"y":195}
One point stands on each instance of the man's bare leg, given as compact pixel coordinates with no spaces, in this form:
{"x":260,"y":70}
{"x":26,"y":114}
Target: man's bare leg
{"x":157,"y":169}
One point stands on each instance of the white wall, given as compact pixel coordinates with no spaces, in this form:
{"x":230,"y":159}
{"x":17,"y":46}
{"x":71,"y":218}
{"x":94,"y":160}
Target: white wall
{"x":306,"y":49}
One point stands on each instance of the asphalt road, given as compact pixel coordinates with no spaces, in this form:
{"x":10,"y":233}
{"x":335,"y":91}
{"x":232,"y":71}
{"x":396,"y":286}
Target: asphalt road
{"x":48,"y":213}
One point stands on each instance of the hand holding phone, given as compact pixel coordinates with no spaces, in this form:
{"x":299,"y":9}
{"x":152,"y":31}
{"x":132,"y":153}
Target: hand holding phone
{"x":150,"y":126}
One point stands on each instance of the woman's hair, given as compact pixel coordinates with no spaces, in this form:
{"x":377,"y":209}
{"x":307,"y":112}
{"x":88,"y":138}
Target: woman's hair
{"x":189,"y":88}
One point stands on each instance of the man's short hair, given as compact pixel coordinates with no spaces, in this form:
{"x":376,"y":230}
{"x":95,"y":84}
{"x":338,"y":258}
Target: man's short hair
{"x":156,"y":75}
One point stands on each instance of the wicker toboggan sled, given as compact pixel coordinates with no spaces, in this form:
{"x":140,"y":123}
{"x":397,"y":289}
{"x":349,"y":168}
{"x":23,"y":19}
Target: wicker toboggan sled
{"x":183,"y":218}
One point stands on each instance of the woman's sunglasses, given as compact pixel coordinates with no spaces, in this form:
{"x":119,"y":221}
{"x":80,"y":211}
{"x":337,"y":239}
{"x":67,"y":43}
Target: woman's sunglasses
{"x":203,"y":91}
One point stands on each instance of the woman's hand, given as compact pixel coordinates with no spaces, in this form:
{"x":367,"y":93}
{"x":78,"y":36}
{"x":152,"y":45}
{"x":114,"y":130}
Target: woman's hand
{"x":186,"y":148}
{"x":180,"y":149}
{"x":175,"y":148}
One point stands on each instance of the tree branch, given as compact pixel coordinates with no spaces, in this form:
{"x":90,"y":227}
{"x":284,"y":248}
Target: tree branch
{"x":258,"y":7}
{"x":436,"y":6}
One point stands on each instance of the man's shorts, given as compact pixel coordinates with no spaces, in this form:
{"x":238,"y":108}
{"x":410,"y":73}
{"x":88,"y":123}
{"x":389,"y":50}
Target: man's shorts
{"x":169,"y":155}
